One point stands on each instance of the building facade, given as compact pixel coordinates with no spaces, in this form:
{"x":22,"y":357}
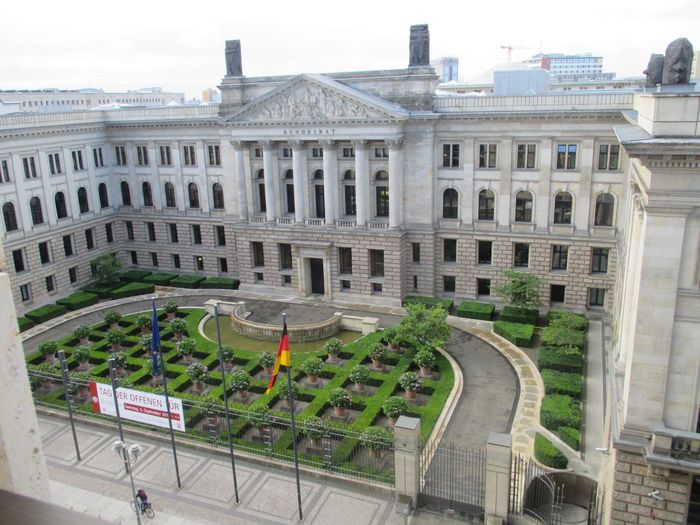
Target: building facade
{"x":571,"y":68}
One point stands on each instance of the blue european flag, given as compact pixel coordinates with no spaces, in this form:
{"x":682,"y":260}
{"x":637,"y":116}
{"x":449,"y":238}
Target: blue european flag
{"x":155,"y":340}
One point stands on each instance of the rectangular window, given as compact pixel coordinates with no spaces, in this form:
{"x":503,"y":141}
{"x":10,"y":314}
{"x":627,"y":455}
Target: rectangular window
{"x":165,"y":158}
{"x":415,"y":252}
{"x":599,"y":260}
{"x":449,"y":250}
{"x":526,"y":156}
{"x":376,"y":263}
{"x":109,"y":233}
{"x":44,"y":252}
{"x":415,"y":283}
{"x":521,"y":255}
{"x":173,"y":232}
{"x":316,"y":153}
{"x":348,"y":153}
{"x":134,"y":257}
{"x":151,"y":229}
{"x":73,"y":274}
{"x":214,"y":155}
{"x":259,"y":277}
{"x":382,"y":201}
{"x":608,"y":157}
{"x":220,"y":232}
{"x":223,"y":265}
{"x":55,"y":164}
{"x":488,"y":154}
{"x":258,"y":254}
{"x":24,"y":292}
{"x":448,"y":283}
{"x":196,"y":234}
{"x":120,"y":154}
{"x":377,"y":288}
{"x":257,"y":153}
{"x":97,"y":157}
{"x":285,"y":256}
{"x":77,"y":160}
{"x":485,"y":249}
{"x":18,"y":259}
{"x":93,"y":269}
{"x":29,"y":166}
{"x":596,"y":297}
{"x":345,"y":261}
{"x":176,"y":260}
{"x":154,"y":259}
{"x":50,"y":284}
{"x":68,"y":245}
{"x":350,"y":200}
{"x":286,"y":153}
{"x":381,"y":153}
{"x":89,"y":239}
{"x":261,"y":198}
{"x":142,"y":155}
{"x":566,"y":156}
{"x":129,"y":230}
{"x":450,"y":155}
{"x":557,"y":292}
{"x":189,"y":155}
{"x":560,"y":255}
{"x":345,"y":285}
{"x":199,"y":263}
{"x":4,"y":171}
{"x":483,"y":286}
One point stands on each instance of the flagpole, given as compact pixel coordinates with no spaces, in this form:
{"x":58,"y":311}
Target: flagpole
{"x":223,"y":384}
{"x":294,"y":433}
{"x":155,"y":330}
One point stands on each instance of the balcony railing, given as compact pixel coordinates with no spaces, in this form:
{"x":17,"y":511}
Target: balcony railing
{"x":315,"y":221}
{"x":345,"y":223}
{"x":377,"y":225}
{"x":674,"y":449}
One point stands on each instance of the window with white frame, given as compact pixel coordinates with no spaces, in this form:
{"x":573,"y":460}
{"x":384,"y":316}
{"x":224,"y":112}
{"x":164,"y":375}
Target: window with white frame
{"x":257,"y":153}
{"x":563,"y":203}
{"x":142,"y":155}
{"x":488,"y":155}
{"x":4,"y":171}
{"x":487,"y":200}
{"x":77,"y":156}
{"x":450,"y":155}
{"x":349,"y":153}
{"x":97,"y":157}
{"x":596,"y":297}
{"x":214,"y":155}
{"x":29,"y":167}
{"x":608,"y":157}
{"x":381,"y":152}
{"x":526,"y":156}
{"x":566,"y":156}
{"x":165,"y":156}
{"x":25,"y":292}
{"x":120,"y":155}
{"x":189,"y":157}
{"x":286,"y":153}
{"x":521,"y":255}
{"x":523,"y":206}
{"x":316,"y":153}
{"x":604,"y":210}
{"x":599,"y":260}
{"x":55,"y":164}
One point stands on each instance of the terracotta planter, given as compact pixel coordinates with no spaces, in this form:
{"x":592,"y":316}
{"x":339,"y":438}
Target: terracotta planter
{"x":187,"y":359}
{"x":392,"y":421}
{"x":84,"y":340}
{"x":393,"y":347}
{"x":410,"y":394}
{"x":317,"y":443}
{"x":120,"y":371}
{"x":51,"y":358}
{"x":116,"y":347}
{"x":313,"y":379}
{"x":426,"y":372}
{"x":332,"y":358}
{"x":83,"y":365}
{"x":339,"y":411}
{"x":198,"y":386}
{"x":83,"y":393}
{"x":171,"y":316}
{"x":114,"y":326}
{"x":211,"y":421}
{"x":243,"y":394}
{"x":262,"y":430}
{"x":375,"y":453}
{"x":178,"y":337}
{"x":145,"y":331}
{"x":359,"y":387}
{"x":46,"y":383}
{"x":228,"y":365}
{"x":158,"y":380}
{"x":268,"y":370}
{"x":376,"y":364}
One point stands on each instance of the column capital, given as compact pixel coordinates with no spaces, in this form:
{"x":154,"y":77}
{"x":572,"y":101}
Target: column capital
{"x":395,"y":143}
{"x":328,"y":144}
{"x":238,"y":145}
{"x":267,"y":145}
{"x":360,"y":144}
{"x":296,"y":144}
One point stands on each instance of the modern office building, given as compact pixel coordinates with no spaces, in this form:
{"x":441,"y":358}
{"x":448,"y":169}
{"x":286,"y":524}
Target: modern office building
{"x":570,"y":68}
{"x":446,"y":68}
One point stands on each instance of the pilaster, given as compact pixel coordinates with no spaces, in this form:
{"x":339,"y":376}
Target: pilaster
{"x":362,"y":180}
{"x":297,"y":152}
{"x":395,"y":182}
{"x":239,"y":165}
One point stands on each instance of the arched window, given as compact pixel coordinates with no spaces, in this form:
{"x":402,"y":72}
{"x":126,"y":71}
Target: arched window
{"x":217,"y":193}
{"x":104,"y":197}
{"x":169,"y":195}
{"x":604,"y":208}
{"x":487,"y":201}
{"x":35,"y":209}
{"x":381,"y":190}
{"x":193,"y":195}
{"x":349,"y":193}
{"x":83,"y":204}
{"x":319,"y":194}
{"x":261,"y":191}
{"x":450,"y":204}
{"x":562,"y":208}
{"x":289,"y":190}
{"x":523,"y":206}
{"x":126,"y":193}
{"x":147,"y":194}
{"x":61,"y":208}
{"x":8,"y":214}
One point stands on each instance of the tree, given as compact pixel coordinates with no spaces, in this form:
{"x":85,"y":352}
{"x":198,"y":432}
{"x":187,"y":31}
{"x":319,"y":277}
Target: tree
{"x":107,"y":268}
{"x":521,"y":291}
{"x":424,"y":326}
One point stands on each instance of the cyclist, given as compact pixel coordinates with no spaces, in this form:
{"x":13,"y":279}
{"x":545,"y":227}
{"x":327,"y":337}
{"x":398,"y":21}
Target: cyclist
{"x":143,"y":499}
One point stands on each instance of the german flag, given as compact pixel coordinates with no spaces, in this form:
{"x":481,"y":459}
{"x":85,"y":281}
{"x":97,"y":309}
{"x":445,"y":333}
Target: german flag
{"x":283,"y":357}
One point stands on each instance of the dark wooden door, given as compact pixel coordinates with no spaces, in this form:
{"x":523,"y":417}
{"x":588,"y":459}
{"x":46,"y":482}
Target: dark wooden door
{"x":317,"y":276}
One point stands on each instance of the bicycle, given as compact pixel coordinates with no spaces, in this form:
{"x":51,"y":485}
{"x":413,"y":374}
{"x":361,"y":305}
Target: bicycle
{"x":147,"y":510}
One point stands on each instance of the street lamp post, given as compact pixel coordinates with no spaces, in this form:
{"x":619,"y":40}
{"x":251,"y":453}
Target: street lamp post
{"x":126,"y":454}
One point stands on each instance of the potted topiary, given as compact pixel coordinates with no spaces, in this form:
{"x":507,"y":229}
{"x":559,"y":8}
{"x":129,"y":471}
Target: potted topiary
{"x":339,"y":399}
{"x":119,"y":363}
{"x":186,"y":348}
{"x":115,"y":338}
{"x":112,"y":318}
{"x":171,"y":308}
{"x":179,"y":328}
{"x":48,"y":371}
{"x":377,"y":354}
{"x":229,"y":356}
{"x":411,"y":383}
{"x":425,"y":359}
{"x":240,"y":383}
{"x":375,"y":439}
{"x":390,"y":336}
{"x":261,"y":418}
{"x":82,"y":332}
{"x":145,"y":342}
{"x":82,"y":355}
{"x":312,"y":367}
{"x":211,"y":408}
{"x":333,"y":348}
{"x":48,"y":349}
{"x":394,"y":407}
{"x":284,"y":391}
{"x":197,"y":373}
{"x":266,"y":360}
{"x":314,"y":429}
{"x":80,"y":383}
{"x":157,"y":378}
{"x":359,"y":374}
{"x":145,"y":323}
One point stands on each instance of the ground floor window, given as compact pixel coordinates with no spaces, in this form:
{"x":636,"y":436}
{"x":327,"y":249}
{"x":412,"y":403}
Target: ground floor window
{"x":557,"y":293}
{"x":448,"y":283}
{"x":344,"y":285}
{"x":483,"y":286}
{"x":259,"y":277}
{"x":596,"y":297}
{"x":376,"y":288}
{"x":286,"y":280}
{"x":24,"y":292}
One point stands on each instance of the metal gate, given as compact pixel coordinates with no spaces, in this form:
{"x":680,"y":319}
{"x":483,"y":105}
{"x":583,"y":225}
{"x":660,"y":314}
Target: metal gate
{"x":453,"y":478}
{"x":535,"y":493}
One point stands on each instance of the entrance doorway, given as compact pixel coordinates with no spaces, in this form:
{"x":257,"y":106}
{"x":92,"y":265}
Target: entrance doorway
{"x":317,"y":286}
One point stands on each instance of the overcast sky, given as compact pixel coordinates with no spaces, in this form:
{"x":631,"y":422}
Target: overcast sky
{"x":70,"y":44}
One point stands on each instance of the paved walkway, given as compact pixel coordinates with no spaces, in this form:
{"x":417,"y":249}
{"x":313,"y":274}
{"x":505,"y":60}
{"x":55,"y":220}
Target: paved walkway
{"x":592,"y":433}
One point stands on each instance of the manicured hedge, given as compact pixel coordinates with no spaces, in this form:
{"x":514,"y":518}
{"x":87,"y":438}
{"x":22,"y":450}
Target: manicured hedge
{"x":516,"y":333}
{"x":431,"y":302}
{"x":561,"y":359}
{"x":475,"y":310}
{"x":512,"y":314}
{"x":160,"y":278}
{"x":187,"y":281}
{"x":547,"y":454}
{"x":220,"y":282}
{"x":558,"y":411}
{"x":103,"y":291}
{"x":131,"y":289}
{"x":566,"y":319}
{"x":556,"y":382}
{"x":133,"y":276}
{"x":45,"y":313}
{"x":552,"y":336}
{"x":78,"y":300}
{"x":570,"y":436}
{"x":24,"y":323}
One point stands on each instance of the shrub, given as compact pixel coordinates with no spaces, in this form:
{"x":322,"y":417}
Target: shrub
{"x":395,"y":406}
{"x":566,"y":319}
{"x":197,"y":372}
{"x":112,"y":317}
{"x":43,"y":314}
{"x":178,"y":326}
{"x":552,"y":336}
{"x":266,"y":359}
{"x":260,"y":417}
{"x":284,"y":390}
{"x":333,"y":346}
{"x":81,"y":353}
{"x":359,"y":374}
{"x":107,"y":268}
{"x":131,"y":289}
{"x":115,"y":337}
{"x":513,"y":314}
{"x":119,"y":359}
{"x":378,"y":352}
{"x":425,"y":359}
{"x":24,"y":323}
{"x":187,"y":281}
{"x":220,"y":282}
{"x":78,"y":300}
{"x":145,"y":341}
{"x":313,"y":427}
{"x":375,"y":438}
{"x":410,"y":381}
{"x":186,"y":347}
{"x":228,"y":354}
{"x":339,"y":397}
{"x":145,"y":322}
{"x":558,"y":411}
{"x":547,"y":454}
{"x":390,"y":335}
{"x":475,"y":310}
{"x":134,"y":276}
{"x":424,"y":326}
{"x":47,"y":348}
{"x":312,"y":366}
{"x":240,"y":381}
{"x":82,"y":331}
{"x":516,"y":333}
{"x":429,"y":302}
{"x":570,"y":436}
{"x":103,"y":291}
{"x":171,"y":307}
{"x":522,"y":290}
{"x":160,"y":278}
{"x":560,"y":358}
{"x":556,"y":382}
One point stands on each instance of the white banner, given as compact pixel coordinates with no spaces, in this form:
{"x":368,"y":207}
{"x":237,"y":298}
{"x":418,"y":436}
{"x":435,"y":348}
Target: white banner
{"x":135,"y":405}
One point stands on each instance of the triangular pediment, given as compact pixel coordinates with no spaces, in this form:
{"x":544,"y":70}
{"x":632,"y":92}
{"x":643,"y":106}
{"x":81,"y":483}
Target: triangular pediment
{"x":314,"y":98}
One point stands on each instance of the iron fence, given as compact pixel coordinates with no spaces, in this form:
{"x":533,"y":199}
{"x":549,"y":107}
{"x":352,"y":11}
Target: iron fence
{"x":534,"y":493}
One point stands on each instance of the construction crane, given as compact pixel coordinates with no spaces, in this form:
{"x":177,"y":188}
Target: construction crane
{"x":511,"y":47}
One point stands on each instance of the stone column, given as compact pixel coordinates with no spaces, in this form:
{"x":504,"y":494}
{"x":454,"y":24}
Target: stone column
{"x":395,"y":182}
{"x":297,"y":149}
{"x":407,"y":456}
{"x":361,"y":180}
{"x":239,"y":149}
{"x":270,"y":193}
{"x":330,"y":178}
{"x":498,"y":465}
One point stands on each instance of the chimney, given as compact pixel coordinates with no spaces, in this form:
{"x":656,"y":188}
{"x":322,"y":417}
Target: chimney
{"x":419,"y":48}
{"x":234,"y":67}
